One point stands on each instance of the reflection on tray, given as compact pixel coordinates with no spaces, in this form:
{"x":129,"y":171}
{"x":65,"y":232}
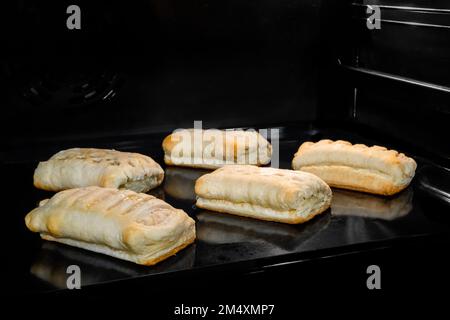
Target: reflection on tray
{"x":220,"y":228}
{"x":54,"y":258}
{"x":158,"y":193}
{"x":435,"y":181}
{"x":179,"y":182}
{"x":350,"y":203}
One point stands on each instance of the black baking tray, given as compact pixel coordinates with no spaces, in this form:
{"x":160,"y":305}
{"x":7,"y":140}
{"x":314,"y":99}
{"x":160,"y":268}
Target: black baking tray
{"x":224,"y":242}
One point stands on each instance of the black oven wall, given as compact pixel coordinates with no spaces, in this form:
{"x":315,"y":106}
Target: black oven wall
{"x":158,"y":65}
{"x":395,"y":80}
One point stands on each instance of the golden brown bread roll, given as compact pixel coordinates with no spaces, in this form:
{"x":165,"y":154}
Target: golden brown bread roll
{"x":214,"y":148}
{"x":356,"y":167}
{"x":121,"y":223}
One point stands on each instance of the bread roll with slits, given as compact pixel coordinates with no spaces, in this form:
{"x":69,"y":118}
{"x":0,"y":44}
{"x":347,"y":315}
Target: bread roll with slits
{"x":121,"y":223}
{"x":83,"y":167}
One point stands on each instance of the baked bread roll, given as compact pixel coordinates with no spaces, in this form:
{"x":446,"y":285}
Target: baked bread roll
{"x":263,"y":193}
{"x":212,"y":149}
{"x":121,"y":223}
{"x":356,"y":167}
{"x":82,"y":167}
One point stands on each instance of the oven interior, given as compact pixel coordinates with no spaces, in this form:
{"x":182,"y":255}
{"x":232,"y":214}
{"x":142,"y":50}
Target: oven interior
{"x":310,"y":68}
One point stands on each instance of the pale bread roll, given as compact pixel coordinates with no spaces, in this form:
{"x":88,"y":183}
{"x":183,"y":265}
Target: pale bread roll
{"x":121,"y":223}
{"x":356,"y":167}
{"x":83,"y":167}
{"x":263,"y":193}
{"x":212,"y":148}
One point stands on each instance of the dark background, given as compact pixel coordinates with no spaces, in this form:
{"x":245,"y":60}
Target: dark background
{"x":155,"y":66}
{"x":167,"y":63}
{"x":136,"y":68}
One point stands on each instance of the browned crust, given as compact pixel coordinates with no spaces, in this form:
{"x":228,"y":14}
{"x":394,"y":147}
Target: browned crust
{"x":168,"y":254}
{"x":395,"y":157}
{"x":150,"y":262}
{"x":362,"y":183}
{"x":196,"y":165}
{"x":383,"y":192}
{"x":205,"y":166}
{"x":41,"y":186}
{"x":199,"y":182}
{"x":294,"y":220}
{"x":168,"y":144}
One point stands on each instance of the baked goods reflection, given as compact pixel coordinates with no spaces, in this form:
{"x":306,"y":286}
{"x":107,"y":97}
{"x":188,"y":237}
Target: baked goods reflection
{"x":219,"y":228}
{"x":179,"y":182}
{"x":350,"y":203}
{"x":157,"y":193}
{"x":54,"y":258}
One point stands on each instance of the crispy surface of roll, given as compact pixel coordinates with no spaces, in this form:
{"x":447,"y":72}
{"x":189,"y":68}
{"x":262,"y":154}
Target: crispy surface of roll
{"x":356,"y":167}
{"x":121,"y":223}
{"x":82,"y":167}
{"x":263,"y":193}
{"x":214,"y":148}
